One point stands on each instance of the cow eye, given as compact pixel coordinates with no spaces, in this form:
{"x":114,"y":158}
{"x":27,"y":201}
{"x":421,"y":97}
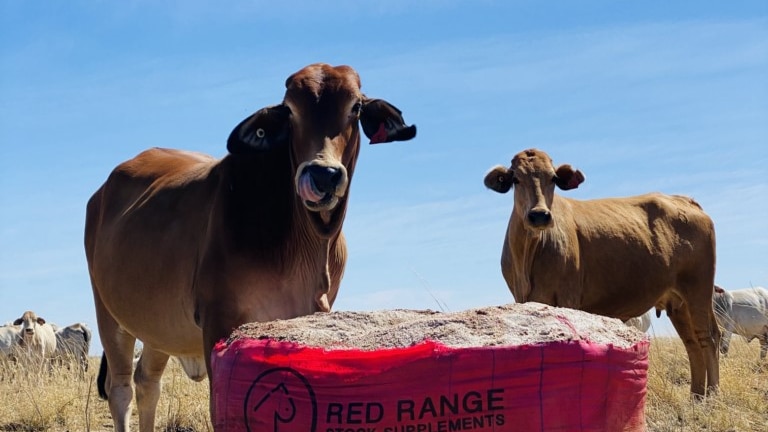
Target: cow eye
{"x":356,"y":108}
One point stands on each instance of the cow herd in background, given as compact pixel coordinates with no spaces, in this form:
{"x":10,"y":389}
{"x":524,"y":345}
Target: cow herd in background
{"x":33,"y":340}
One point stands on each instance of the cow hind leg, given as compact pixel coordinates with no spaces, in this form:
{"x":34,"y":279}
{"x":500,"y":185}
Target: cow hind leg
{"x":708,"y":336}
{"x":149,"y":371}
{"x":681,"y":320}
{"x":118,"y":387}
{"x":117,"y":363}
{"x":710,"y":343}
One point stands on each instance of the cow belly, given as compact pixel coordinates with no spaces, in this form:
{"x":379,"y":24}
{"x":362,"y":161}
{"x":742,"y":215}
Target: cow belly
{"x":154,"y":317}
{"x":635,"y":275}
{"x":633,"y":307}
{"x":637,"y":297}
{"x":173,"y":341}
{"x":749,"y":322}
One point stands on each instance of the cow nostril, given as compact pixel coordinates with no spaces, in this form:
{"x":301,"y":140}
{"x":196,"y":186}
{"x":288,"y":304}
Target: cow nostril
{"x":336,"y":177}
{"x":539,"y":217}
{"x":324,"y":178}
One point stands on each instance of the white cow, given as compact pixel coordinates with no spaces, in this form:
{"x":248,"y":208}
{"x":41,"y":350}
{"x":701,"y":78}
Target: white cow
{"x":38,"y":340}
{"x":73,"y":343}
{"x":744,"y":312}
{"x":642,"y":323}
{"x":9,"y":338}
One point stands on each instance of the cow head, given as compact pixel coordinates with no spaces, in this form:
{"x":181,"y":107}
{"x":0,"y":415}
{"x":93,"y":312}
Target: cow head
{"x":29,"y":322}
{"x":319,"y":121}
{"x":534,"y":178}
{"x":722,"y":303}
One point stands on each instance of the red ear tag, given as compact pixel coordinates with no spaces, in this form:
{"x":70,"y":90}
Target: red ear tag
{"x":380,"y":136}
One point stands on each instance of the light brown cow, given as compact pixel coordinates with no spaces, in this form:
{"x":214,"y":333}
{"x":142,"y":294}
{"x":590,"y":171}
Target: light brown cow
{"x":616,"y":257}
{"x":37,"y":341}
{"x":182,"y":248}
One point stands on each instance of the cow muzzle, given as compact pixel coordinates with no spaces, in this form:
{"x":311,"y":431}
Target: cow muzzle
{"x":27,"y":337}
{"x":539,"y":218}
{"x":320,"y":184}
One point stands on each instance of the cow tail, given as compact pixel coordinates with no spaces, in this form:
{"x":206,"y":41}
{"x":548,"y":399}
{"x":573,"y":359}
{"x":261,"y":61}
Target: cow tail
{"x":87,"y":336}
{"x":101,"y":379}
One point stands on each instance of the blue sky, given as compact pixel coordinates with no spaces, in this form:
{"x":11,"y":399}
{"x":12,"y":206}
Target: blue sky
{"x":640,"y":96}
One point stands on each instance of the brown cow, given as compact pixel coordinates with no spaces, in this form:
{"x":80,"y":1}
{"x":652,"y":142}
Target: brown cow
{"x":616,"y":257}
{"x":182,"y":248}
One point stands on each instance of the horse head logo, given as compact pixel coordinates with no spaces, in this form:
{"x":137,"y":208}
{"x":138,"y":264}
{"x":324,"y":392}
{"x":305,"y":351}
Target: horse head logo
{"x":282,"y":399}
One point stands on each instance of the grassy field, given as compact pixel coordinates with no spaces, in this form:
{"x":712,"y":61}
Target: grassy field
{"x":62,"y":401}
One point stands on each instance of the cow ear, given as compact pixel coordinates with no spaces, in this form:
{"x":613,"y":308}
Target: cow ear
{"x":265,"y":129}
{"x":40,"y":321}
{"x":18,"y":322}
{"x":499,"y":179}
{"x":383,"y":122}
{"x":567,"y":178}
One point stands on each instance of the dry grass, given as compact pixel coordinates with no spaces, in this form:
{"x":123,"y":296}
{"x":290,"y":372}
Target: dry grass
{"x":62,"y":401}
{"x":740,"y":406}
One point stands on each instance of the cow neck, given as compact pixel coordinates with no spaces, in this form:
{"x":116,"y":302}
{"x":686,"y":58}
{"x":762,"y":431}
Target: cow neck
{"x":328,"y":226}
{"x":327,"y":229}
{"x":549,"y":246}
{"x":527,"y":244}
{"x":260,"y":210}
